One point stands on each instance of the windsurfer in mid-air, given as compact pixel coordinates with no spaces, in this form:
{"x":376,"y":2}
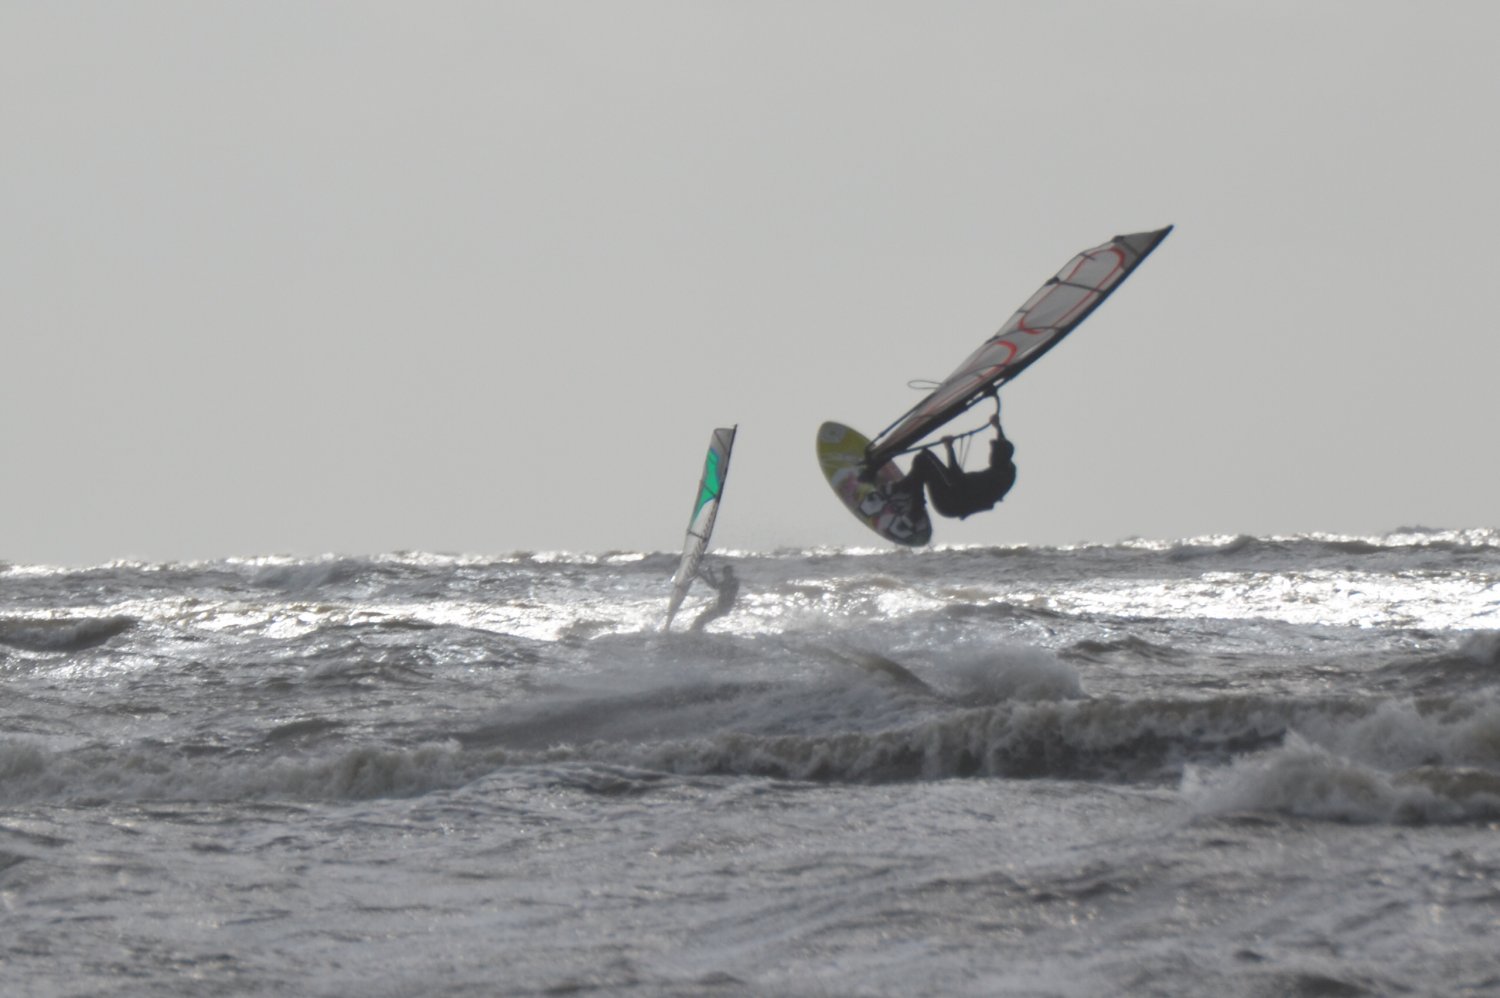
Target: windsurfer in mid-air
{"x":955,"y":492}
{"x":728,"y":585}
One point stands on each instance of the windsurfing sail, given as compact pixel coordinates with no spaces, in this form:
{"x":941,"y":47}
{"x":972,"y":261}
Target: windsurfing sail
{"x":705,"y":509}
{"x":1052,"y":313}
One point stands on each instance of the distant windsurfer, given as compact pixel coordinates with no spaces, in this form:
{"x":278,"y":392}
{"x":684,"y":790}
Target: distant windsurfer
{"x":728,"y":585}
{"x":955,"y":492}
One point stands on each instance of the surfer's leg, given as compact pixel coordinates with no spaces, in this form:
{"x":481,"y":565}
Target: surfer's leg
{"x":906,"y":495}
{"x":712,"y":613}
{"x":925,"y":467}
{"x":955,"y":466}
{"x":944,"y":486}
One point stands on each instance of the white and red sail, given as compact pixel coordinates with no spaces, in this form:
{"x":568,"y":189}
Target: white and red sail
{"x":1049,"y":315}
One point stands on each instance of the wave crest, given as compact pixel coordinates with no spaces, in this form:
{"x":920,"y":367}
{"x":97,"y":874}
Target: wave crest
{"x":1308,"y":781}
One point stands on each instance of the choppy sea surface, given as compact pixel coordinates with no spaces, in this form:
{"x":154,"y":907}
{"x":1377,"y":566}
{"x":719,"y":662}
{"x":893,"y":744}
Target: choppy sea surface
{"x":1230,"y":766}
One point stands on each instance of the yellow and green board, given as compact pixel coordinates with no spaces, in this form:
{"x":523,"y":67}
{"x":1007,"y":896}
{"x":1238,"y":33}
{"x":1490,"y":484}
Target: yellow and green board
{"x":840,"y":452}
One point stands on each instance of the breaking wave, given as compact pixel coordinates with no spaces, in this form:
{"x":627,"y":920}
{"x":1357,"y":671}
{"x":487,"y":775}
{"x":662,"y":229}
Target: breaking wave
{"x":62,"y":635}
{"x":1305,"y":780}
{"x":1396,"y":762}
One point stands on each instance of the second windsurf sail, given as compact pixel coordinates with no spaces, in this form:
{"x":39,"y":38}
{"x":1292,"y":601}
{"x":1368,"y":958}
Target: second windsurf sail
{"x":705,"y":509}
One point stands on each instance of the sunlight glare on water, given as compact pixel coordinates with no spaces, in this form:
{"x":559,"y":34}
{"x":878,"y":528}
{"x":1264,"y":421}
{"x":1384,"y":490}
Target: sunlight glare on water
{"x":1351,"y":599}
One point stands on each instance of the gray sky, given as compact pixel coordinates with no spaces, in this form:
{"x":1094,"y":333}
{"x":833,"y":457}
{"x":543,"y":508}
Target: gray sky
{"x":296,"y":277}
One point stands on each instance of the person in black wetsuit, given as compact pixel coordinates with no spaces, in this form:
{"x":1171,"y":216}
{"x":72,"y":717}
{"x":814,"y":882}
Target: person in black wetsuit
{"x":728,"y":585}
{"x":955,"y":492}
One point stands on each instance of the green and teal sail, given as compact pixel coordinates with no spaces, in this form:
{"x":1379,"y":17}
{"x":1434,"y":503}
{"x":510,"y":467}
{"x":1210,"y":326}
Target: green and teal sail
{"x":705,"y":509}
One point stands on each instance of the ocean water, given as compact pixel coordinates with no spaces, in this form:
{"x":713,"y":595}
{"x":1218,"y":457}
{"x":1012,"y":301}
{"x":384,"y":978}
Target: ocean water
{"x":1230,"y":766}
